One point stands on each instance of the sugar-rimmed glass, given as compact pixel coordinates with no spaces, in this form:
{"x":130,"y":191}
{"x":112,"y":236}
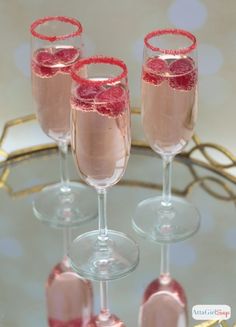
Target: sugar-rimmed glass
{"x":56,"y":44}
{"x":101,"y":143}
{"x":169,"y":113}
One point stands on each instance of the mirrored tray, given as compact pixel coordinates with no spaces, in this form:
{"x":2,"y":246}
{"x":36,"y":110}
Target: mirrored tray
{"x":205,"y":264}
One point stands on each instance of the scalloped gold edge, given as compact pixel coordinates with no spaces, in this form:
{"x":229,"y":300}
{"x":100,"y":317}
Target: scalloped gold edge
{"x":199,"y":146}
{"x":212,"y":323}
{"x":46,"y":150}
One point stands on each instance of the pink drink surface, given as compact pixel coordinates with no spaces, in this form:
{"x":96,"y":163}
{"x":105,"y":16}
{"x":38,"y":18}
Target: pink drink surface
{"x":169,"y":103}
{"x":69,"y":298}
{"x":164,"y":305}
{"x":51,"y":86}
{"x":100,"y":135}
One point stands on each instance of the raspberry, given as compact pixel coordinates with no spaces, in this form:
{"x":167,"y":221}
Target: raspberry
{"x":66,"y":55}
{"x":42,"y":63}
{"x":185,"y":74}
{"x":154,"y":70}
{"x":112,"y":101}
{"x":44,"y":57}
{"x":85,"y":95}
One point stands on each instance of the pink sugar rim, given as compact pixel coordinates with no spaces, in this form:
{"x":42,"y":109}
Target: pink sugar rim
{"x":64,"y":19}
{"x":98,"y":60}
{"x":171,"y":31}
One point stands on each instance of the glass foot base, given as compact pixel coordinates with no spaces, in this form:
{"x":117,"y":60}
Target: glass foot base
{"x":59,"y":209}
{"x":103,"y":260}
{"x":166,"y":225}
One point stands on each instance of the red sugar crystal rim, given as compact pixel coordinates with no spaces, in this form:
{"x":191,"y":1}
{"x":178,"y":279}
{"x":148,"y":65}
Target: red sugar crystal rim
{"x":174,"y":32}
{"x":98,"y":60}
{"x":63,"y":19}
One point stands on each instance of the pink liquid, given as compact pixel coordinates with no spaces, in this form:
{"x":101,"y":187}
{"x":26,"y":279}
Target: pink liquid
{"x":163,"y":305}
{"x":113,"y":321}
{"x":69,"y":298}
{"x":51,"y":85}
{"x":100,"y":136}
{"x":169,"y":103}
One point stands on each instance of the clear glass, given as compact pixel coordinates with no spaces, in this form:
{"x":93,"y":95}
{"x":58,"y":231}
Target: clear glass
{"x":105,"y":318}
{"x":101,"y":147}
{"x":169,"y":113}
{"x":164,"y":301}
{"x":69,"y":297}
{"x":55,"y":46}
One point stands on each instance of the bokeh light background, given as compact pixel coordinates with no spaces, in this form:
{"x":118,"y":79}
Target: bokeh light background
{"x":117,"y":28}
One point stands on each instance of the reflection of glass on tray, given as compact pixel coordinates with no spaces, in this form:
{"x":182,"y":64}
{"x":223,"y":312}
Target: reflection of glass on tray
{"x":211,"y":188}
{"x":69,"y":298}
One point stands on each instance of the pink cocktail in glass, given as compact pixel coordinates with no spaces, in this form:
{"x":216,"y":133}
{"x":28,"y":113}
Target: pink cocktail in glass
{"x":100,"y":140}
{"x":169,"y":113}
{"x":56,"y":46}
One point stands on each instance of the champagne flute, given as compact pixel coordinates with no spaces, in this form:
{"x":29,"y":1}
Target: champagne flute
{"x":100,"y":140}
{"x":69,"y":297}
{"x":105,"y":318}
{"x":164,"y":299}
{"x":169,"y":112}
{"x":56,"y":45}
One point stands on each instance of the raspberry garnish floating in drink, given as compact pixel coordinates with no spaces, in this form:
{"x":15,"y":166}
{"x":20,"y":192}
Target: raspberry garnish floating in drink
{"x":45,"y":57}
{"x":66,"y":55}
{"x":112,"y":101}
{"x":47,"y":62}
{"x":181,"y":73}
{"x":43,"y":63}
{"x":186,"y":70}
{"x":154,"y":70}
{"x":106,"y":96}
{"x":84,"y":96}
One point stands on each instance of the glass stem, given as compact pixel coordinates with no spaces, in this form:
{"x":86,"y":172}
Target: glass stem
{"x":166,"y":193}
{"x":102,"y":215}
{"x":104,"y":312}
{"x":66,"y":240}
{"x":63,"y":151}
{"x":102,"y":237}
{"x":165,"y":264}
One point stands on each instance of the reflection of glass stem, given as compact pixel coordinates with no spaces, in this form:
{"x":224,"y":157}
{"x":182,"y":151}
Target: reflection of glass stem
{"x":165,"y":264}
{"x":63,"y":150}
{"x":66,"y":240}
{"x":166,"y":192}
{"x":104,"y":314}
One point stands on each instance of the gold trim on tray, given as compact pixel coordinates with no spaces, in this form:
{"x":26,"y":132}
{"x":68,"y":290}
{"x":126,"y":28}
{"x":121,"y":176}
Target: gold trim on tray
{"x":231,"y":196}
{"x":199,"y":146}
{"x":203,"y":148}
{"x":206,"y":182}
{"x":213,"y":323}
